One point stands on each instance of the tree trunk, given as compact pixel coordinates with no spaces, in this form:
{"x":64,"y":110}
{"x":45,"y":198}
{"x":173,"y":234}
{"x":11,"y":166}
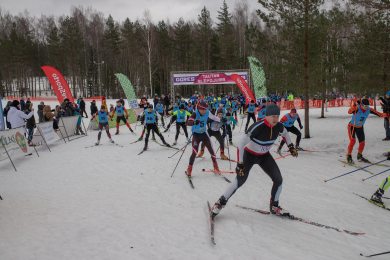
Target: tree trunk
{"x":306,"y":61}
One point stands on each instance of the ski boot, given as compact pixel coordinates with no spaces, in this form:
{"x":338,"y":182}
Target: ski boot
{"x":140,"y":139}
{"x":175,"y":142}
{"x":166,"y":130}
{"x":216,"y":166}
{"x":230,"y":142}
{"x":131,"y":130}
{"x":112,"y":141}
{"x":298,"y":148}
{"x":154,"y":138}
{"x":377,"y":196}
{"x":97,"y":143}
{"x":223,"y":156}
{"x":189,"y":170}
{"x":275,"y":209}
{"x":218,"y":206}
{"x":166,"y":144}
{"x":145,"y":147}
{"x":201,"y":153}
{"x":349,"y":159}
{"x":117,"y":133}
{"x":279,"y":149}
{"x":362,"y":159}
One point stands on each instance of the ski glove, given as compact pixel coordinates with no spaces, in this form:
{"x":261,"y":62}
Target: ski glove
{"x":127,"y":117}
{"x":233,"y":127}
{"x":300,"y":126}
{"x":197,"y":122}
{"x":293,"y":151}
{"x":240,"y":169}
{"x":223,"y":120}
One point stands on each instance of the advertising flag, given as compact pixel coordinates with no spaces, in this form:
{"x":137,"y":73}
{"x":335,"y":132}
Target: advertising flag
{"x":128,"y":89}
{"x":258,"y":77}
{"x":244,"y":87}
{"x":58,"y":84}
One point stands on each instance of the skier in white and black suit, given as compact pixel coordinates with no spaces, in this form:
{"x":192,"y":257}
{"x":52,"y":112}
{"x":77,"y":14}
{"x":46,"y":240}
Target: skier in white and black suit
{"x":253,"y":148}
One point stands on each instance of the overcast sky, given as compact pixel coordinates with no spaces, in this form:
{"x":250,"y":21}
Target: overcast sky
{"x":120,"y":9}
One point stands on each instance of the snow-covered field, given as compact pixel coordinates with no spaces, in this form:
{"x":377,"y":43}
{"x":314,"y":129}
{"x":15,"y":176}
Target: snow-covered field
{"x":107,"y":202}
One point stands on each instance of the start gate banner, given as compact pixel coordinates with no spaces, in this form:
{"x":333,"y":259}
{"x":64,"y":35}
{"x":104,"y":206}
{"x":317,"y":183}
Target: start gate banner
{"x":207,"y":78}
{"x":14,"y":142}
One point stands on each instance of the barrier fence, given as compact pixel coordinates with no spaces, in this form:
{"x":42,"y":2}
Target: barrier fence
{"x":50,"y":99}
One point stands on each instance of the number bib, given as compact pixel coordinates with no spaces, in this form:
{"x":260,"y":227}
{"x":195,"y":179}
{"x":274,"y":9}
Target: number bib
{"x":103,"y":117}
{"x":201,"y":128}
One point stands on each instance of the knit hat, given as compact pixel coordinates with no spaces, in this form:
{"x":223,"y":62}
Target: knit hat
{"x":219,"y":111}
{"x":102,"y":107}
{"x":272,"y":110}
{"x":293,"y":110}
{"x":181,"y":107}
{"x":202,"y":105}
{"x":228,"y":114}
{"x":15,"y":103}
{"x":365,"y":102}
{"x":388,"y":93}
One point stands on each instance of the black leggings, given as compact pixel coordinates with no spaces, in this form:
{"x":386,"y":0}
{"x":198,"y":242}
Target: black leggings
{"x":228,"y":131}
{"x":182,"y":125}
{"x":250,"y":115}
{"x":267,"y":164}
{"x":296,"y":132}
{"x":234,"y":112}
{"x":101,"y":126}
{"x":196,"y":139}
{"x":149,"y":128}
{"x":173,"y":119}
{"x":218,"y":136}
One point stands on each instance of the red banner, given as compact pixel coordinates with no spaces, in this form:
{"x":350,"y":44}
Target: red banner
{"x":244,"y":87}
{"x":58,"y":84}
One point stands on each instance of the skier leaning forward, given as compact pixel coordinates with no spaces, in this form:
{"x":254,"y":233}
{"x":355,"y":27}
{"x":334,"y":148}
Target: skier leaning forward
{"x":253,"y":148}
{"x":103,"y":123}
{"x":198,"y":121}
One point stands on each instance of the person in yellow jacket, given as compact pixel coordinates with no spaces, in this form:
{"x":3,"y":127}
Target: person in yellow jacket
{"x":290,"y":97}
{"x":104,"y":103}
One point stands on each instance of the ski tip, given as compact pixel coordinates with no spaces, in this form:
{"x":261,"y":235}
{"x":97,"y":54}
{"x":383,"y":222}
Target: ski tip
{"x":362,"y":179}
{"x":325,"y":180}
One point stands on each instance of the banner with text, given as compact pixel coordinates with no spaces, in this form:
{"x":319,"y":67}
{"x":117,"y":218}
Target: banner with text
{"x":48,"y":133}
{"x":58,"y":84}
{"x":207,"y":78}
{"x":14,"y":142}
{"x":128,"y":89}
{"x":244,"y":87}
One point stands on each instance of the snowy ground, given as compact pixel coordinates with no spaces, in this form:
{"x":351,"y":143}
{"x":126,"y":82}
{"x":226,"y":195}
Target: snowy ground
{"x":107,"y":202}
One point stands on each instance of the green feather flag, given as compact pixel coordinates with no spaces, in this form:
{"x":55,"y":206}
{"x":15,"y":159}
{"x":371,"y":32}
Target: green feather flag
{"x":258,"y":77}
{"x":128,"y":89}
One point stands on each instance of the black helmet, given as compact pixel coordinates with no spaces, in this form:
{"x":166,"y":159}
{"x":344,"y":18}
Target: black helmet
{"x":150,"y":106}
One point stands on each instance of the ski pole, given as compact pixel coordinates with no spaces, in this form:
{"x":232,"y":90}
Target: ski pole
{"x":203,"y":170}
{"x":242,"y":122}
{"x":388,"y":252}
{"x":180,"y":149}
{"x":282,"y":156}
{"x":182,"y":153}
{"x":227,"y":144}
{"x":354,"y":171}
{"x":375,"y":174}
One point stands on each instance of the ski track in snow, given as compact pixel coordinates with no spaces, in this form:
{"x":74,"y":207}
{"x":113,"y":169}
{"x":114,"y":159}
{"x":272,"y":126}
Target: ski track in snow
{"x":107,"y":202}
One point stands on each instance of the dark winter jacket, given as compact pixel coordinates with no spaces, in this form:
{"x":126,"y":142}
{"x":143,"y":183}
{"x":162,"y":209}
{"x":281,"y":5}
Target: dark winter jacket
{"x":166,"y":100}
{"x":155,"y":101}
{"x":30,"y":123}
{"x":5,"y":112}
{"x":82,"y":104}
{"x":40,"y":113}
{"x":22,"y":105}
{"x":94,"y":109}
{"x":68,"y":109}
{"x":122,"y":102}
{"x":48,"y":114}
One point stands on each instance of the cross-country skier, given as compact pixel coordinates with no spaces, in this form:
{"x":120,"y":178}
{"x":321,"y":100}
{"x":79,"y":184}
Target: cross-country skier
{"x":235,"y":107}
{"x":198,"y":120}
{"x":173,"y":118}
{"x":288,"y":121}
{"x":253,"y":148}
{"x":150,"y":116}
{"x":160,"y":110}
{"x":181,"y":122}
{"x":103,"y":123}
{"x":360,"y":112}
{"x":261,"y":111}
{"x":190,"y":109}
{"x":377,"y":196}
{"x":229,"y":121}
{"x":120,"y":116}
{"x":213,"y":129}
{"x":251,"y":113}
